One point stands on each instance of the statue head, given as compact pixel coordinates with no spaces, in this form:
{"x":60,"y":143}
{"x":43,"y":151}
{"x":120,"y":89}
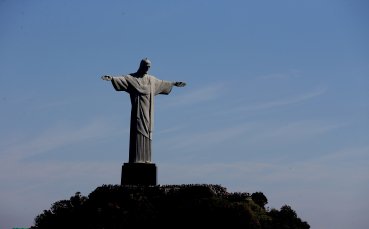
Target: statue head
{"x":144,"y":66}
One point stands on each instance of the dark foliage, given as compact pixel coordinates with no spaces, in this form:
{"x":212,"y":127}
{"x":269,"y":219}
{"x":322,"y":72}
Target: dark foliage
{"x":260,"y":199}
{"x":170,"y":206}
{"x":286,"y":218}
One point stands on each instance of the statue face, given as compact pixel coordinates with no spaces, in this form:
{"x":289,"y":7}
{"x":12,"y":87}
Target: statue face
{"x":145,"y":66}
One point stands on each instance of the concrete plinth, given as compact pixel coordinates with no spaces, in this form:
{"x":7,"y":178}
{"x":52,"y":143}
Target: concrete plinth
{"x":138,"y":174}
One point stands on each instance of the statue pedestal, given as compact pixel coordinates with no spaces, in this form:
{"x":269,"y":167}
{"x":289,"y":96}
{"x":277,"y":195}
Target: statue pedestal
{"x":138,"y":174}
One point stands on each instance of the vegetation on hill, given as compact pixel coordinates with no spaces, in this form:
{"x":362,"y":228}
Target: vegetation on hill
{"x":168,"y":206}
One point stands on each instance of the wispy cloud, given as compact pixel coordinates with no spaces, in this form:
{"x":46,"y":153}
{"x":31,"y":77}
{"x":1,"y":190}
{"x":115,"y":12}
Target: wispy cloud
{"x":254,"y":173}
{"x":325,"y":168}
{"x":205,"y":139}
{"x":357,"y":154}
{"x":174,"y":129}
{"x":51,"y":171}
{"x":60,"y":135}
{"x":286,"y":75}
{"x":252,"y":134}
{"x":298,"y":130}
{"x":284,"y":102}
{"x":301,"y":184}
{"x":199,"y":95}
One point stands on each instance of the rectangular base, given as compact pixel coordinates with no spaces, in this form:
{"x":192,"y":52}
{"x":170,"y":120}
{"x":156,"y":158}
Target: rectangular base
{"x":138,"y":174}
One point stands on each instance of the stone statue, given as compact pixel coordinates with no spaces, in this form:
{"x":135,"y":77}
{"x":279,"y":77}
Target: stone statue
{"x":142,"y":88}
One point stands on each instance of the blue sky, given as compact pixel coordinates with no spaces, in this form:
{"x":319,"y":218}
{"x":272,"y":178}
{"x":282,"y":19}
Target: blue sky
{"x":276,"y":100}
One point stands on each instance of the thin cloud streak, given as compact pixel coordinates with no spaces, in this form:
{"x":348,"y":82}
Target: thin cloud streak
{"x":39,"y":172}
{"x":293,"y":131}
{"x":284,"y":102}
{"x":279,"y":76}
{"x":174,"y":129}
{"x":320,"y":173}
{"x":203,"y":139}
{"x":195,"y":96}
{"x":56,"y":137}
{"x":251,"y":133}
{"x":305,"y":173}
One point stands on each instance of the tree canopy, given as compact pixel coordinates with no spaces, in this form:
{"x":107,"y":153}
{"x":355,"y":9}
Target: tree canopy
{"x":116,"y":206}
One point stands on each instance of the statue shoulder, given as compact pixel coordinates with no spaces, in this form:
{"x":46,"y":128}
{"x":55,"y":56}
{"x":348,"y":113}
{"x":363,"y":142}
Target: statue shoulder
{"x":151,"y":77}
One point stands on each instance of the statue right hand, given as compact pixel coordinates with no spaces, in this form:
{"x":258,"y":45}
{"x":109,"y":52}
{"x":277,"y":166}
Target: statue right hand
{"x":107,"y":77}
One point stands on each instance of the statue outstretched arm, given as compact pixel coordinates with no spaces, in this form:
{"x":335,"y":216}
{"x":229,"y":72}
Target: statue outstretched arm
{"x":179,"y":84}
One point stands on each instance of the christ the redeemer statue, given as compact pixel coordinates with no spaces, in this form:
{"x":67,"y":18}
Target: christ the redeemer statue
{"x":142,"y":88}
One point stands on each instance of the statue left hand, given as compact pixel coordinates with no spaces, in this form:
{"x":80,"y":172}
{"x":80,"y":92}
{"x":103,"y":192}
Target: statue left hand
{"x":179,"y":84}
{"x":107,"y":78}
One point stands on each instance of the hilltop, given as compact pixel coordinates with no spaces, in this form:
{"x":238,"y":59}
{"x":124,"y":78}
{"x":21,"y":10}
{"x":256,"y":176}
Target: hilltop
{"x":174,"y":206}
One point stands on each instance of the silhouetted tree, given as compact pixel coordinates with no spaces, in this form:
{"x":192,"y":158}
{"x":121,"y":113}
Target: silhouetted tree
{"x":287,"y":218}
{"x":260,"y":199}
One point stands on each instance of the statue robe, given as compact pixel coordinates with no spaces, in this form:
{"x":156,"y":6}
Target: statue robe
{"x":142,"y":91}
